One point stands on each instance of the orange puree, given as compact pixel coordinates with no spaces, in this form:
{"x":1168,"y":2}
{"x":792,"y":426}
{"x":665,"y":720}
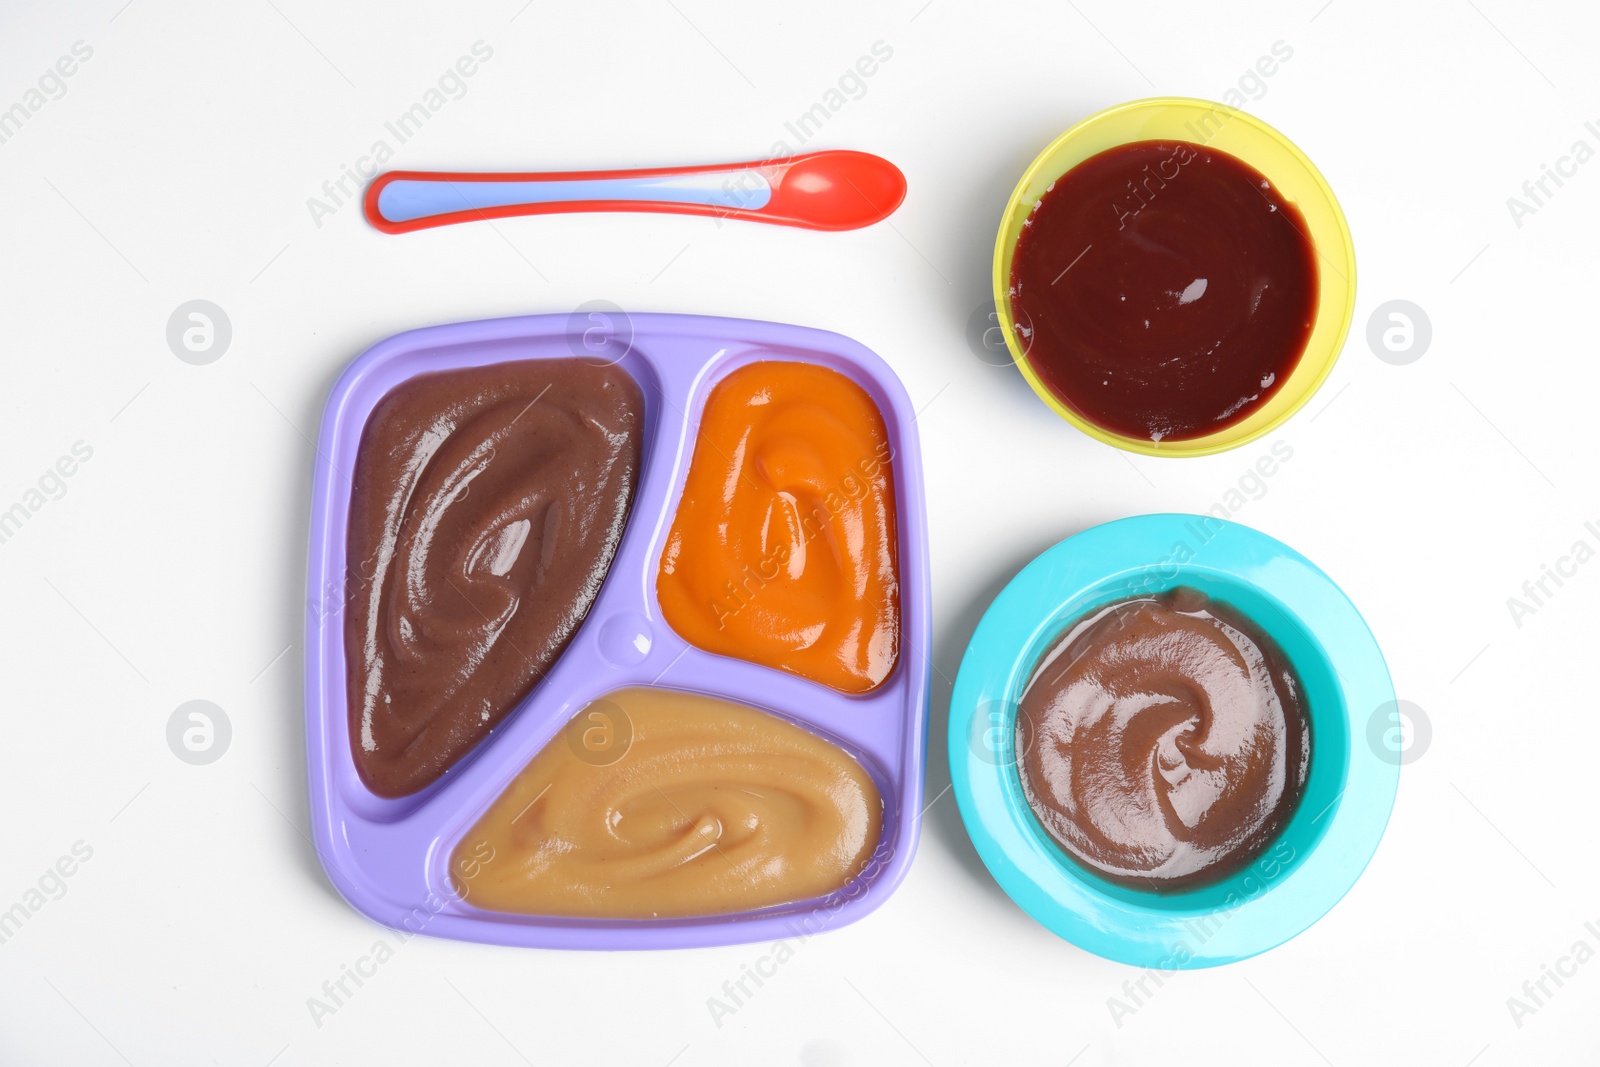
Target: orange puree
{"x":653,"y":803}
{"x":783,"y":551}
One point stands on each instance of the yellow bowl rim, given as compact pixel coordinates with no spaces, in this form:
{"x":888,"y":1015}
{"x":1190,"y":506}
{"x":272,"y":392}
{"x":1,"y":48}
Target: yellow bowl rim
{"x":1197,"y":446}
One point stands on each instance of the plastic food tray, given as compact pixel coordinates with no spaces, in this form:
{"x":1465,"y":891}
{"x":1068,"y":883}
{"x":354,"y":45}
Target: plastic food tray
{"x":389,"y":857}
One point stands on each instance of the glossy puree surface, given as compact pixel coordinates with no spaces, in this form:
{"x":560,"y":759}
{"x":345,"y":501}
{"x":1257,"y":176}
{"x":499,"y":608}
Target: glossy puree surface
{"x":654,"y":803}
{"x":784,"y":548}
{"x":1163,"y":741}
{"x":486,"y":506}
{"x":1163,"y":290}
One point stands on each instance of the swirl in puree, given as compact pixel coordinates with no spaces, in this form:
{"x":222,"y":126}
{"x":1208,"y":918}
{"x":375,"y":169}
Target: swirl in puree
{"x":783,"y":551}
{"x":653,"y":803}
{"x":486,"y":506}
{"x":1163,"y":741}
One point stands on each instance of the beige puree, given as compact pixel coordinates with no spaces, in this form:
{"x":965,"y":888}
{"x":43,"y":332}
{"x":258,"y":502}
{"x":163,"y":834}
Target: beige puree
{"x":656,"y":803}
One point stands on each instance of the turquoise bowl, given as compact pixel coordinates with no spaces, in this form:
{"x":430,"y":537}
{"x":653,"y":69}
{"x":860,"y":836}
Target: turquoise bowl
{"x":1349,"y":794}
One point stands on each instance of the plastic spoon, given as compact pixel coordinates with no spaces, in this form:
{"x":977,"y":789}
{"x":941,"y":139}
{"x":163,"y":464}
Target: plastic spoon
{"x":833,"y":190}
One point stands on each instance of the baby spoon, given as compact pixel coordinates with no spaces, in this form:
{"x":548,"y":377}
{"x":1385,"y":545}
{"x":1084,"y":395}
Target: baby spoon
{"x":832,"y":190}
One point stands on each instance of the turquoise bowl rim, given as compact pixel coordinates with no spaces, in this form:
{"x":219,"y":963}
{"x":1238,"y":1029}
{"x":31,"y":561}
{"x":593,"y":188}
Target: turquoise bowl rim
{"x":1349,"y":795}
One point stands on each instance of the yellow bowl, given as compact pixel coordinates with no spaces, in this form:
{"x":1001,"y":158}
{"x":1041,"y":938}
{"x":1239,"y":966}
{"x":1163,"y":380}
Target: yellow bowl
{"x":1292,"y":175}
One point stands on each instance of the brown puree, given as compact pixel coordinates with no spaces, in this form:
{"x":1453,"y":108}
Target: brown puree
{"x":486,"y":506}
{"x":653,"y":803}
{"x":1164,"y":741}
{"x":1164,"y":290}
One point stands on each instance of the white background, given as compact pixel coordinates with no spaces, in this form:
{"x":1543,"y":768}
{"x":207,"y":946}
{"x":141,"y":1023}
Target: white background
{"x":178,"y":165}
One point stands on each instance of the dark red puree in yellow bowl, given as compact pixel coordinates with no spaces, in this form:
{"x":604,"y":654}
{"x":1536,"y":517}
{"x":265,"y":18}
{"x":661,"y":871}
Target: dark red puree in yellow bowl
{"x":1164,"y":290}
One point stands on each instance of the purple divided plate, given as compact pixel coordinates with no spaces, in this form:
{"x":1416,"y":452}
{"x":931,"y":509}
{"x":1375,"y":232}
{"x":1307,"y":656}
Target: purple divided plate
{"x":389,"y":858}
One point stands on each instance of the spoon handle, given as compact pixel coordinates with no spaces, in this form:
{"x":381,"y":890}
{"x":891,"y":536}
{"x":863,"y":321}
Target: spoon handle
{"x":401,"y":201}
